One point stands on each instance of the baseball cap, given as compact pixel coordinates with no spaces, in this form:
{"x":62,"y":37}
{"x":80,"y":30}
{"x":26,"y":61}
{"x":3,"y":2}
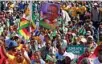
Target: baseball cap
{"x":95,"y":4}
{"x":10,"y":44}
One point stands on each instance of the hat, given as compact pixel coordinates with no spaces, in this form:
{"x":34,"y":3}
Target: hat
{"x":18,"y":36}
{"x":91,"y":37}
{"x":83,"y":40}
{"x":69,"y":54}
{"x":10,"y":43}
{"x":88,"y":33}
{"x":73,"y":34}
{"x":95,"y":4}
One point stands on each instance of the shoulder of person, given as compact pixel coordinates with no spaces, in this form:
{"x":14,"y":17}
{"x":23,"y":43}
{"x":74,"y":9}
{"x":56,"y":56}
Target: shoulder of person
{"x":96,"y":61}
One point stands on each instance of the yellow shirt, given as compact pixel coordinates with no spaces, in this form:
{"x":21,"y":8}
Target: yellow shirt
{"x":20,"y":46}
{"x":83,"y":9}
{"x":12,"y":60}
{"x":78,"y":9}
{"x":73,"y":11}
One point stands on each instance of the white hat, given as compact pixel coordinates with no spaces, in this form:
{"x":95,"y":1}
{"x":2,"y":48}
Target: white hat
{"x":73,"y":34}
{"x":91,"y":37}
{"x":18,"y":36}
{"x":69,"y":54}
{"x":95,"y":4}
{"x":88,"y":33}
{"x":83,"y":40}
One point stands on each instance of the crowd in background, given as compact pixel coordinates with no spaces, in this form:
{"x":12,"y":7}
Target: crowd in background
{"x":79,"y":23}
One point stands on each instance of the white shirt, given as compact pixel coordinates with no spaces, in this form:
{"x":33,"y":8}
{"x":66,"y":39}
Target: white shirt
{"x":66,"y":17}
{"x":64,"y":43}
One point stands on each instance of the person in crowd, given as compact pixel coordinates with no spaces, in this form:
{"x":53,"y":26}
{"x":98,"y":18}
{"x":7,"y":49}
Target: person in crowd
{"x":95,"y":14}
{"x":36,"y":58}
{"x":85,"y":61}
{"x":14,"y":55}
{"x":99,"y":58}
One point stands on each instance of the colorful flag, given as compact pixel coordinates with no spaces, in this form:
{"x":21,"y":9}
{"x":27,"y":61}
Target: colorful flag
{"x":24,"y":23}
{"x":23,"y":29}
{"x":23,"y":32}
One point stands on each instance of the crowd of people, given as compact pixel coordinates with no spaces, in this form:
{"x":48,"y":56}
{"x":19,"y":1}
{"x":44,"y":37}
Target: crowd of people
{"x":79,"y":23}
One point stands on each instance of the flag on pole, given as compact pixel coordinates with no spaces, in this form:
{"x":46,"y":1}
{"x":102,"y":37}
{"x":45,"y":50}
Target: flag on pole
{"x":24,"y":28}
{"x":23,"y":32}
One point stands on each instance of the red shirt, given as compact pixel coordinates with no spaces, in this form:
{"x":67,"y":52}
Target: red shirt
{"x":2,"y":57}
{"x":93,"y":55}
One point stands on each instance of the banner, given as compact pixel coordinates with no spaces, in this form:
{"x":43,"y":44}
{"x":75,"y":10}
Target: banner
{"x":76,"y":49}
{"x":49,"y":12}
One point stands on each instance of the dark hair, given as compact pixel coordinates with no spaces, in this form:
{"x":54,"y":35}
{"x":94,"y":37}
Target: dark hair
{"x":10,"y":48}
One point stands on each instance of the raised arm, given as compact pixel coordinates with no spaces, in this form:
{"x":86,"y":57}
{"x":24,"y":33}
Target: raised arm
{"x":25,"y":55}
{"x":3,"y":48}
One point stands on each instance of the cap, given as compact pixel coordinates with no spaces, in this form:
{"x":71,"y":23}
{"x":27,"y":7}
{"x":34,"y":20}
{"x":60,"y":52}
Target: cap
{"x":69,"y":54}
{"x":83,"y":40}
{"x":95,"y":4}
{"x":88,"y":33}
{"x":10,"y":43}
{"x":91,"y":37}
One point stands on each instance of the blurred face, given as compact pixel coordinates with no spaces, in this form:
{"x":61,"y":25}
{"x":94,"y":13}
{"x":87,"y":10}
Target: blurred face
{"x":19,"y":58}
{"x":67,"y":60}
{"x":27,"y":12}
{"x":90,"y":43}
{"x":58,"y":37}
{"x":37,"y":57}
{"x":95,"y":6}
{"x":48,"y":44}
{"x":100,"y":25}
{"x":18,"y":54}
{"x":61,"y":51}
{"x":11,"y":28}
{"x":52,"y":12}
{"x":64,"y":6}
